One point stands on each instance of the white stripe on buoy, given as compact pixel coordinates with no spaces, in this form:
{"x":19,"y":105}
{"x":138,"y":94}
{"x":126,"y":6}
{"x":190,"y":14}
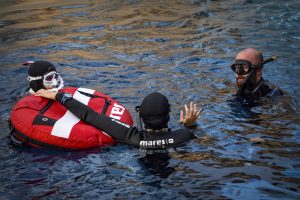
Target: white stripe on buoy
{"x":63,"y":126}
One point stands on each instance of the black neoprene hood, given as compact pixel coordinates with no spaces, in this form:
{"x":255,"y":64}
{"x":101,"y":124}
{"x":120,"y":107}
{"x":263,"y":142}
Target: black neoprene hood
{"x":155,"y":110}
{"x":39,"y":68}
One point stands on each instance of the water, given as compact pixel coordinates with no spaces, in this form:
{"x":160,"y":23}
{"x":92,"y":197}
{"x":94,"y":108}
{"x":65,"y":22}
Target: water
{"x":181,"y":48}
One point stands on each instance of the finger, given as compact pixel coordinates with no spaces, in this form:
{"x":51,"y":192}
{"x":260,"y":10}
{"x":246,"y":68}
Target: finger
{"x":194,"y":109}
{"x":186,"y":110}
{"x":191,"y":106}
{"x":40,"y":90}
{"x":38,"y":93}
{"x":199,"y":112}
{"x":181,"y":116}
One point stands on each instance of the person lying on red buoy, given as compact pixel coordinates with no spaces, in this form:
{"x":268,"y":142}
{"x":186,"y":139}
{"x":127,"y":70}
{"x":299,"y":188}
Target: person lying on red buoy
{"x":40,"y":122}
{"x":44,"y":123}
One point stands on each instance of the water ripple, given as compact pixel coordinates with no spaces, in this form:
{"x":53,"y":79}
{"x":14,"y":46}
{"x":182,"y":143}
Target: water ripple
{"x":182,"y":49}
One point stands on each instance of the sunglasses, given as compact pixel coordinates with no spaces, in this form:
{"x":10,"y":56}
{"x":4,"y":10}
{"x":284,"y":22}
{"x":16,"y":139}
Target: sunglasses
{"x":243,"y":67}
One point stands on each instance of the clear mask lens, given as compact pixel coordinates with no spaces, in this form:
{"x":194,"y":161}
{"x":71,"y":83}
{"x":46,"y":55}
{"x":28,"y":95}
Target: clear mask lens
{"x":50,"y":76}
{"x":52,"y":80}
{"x":241,"y":69}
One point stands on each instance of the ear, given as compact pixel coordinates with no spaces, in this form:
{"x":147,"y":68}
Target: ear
{"x":259,"y":70}
{"x":258,"y":74}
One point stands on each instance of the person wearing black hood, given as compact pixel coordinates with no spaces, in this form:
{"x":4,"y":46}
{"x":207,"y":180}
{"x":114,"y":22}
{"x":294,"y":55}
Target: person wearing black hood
{"x":43,"y":75}
{"x":252,"y":87}
{"x":153,"y":111}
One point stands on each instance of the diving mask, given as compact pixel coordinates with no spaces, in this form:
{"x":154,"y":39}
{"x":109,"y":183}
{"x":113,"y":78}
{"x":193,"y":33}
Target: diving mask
{"x":243,"y":67}
{"x":51,"y":80}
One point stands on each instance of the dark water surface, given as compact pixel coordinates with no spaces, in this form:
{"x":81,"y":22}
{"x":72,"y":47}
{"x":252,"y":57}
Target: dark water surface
{"x":181,"y":48}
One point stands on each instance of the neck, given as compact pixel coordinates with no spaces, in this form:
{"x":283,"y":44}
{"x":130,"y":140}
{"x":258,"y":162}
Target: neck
{"x":253,"y":92}
{"x":257,"y":86}
{"x":157,"y":130}
{"x":249,"y":85}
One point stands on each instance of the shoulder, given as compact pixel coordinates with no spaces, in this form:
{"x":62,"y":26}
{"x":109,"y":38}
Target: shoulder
{"x":182,"y":135}
{"x":182,"y":131}
{"x":267,"y":89}
{"x":169,"y":139}
{"x":274,"y":90}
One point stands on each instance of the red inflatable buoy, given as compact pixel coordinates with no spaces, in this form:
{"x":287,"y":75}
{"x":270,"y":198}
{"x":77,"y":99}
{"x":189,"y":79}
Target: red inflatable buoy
{"x":45,"y":123}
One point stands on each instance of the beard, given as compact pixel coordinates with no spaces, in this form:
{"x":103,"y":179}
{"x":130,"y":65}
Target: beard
{"x":240,"y":80}
{"x":245,"y":83}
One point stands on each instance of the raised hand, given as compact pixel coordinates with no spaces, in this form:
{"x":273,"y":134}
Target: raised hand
{"x":191,"y":114}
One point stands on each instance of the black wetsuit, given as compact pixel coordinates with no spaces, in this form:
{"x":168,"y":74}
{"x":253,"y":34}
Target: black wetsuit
{"x":264,"y":92}
{"x":123,"y":132}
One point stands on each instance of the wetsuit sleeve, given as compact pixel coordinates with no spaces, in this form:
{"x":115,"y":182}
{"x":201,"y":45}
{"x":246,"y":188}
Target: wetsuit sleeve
{"x":166,"y":139}
{"x":118,"y":130}
{"x":191,"y":127}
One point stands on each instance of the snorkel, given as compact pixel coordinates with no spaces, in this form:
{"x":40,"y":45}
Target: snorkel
{"x":273,"y":58}
{"x":247,"y":82}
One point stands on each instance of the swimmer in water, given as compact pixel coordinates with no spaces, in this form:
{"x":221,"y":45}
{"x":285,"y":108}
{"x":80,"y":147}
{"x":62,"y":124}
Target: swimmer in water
{"x":252,"y":87}
{"x":154,"y":113}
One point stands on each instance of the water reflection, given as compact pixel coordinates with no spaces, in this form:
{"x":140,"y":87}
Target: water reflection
{"x":182,"y":49}
{"x":157,"y":163}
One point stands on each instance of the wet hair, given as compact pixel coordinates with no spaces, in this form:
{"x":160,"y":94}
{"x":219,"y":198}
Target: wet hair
{"x":154,"y":111}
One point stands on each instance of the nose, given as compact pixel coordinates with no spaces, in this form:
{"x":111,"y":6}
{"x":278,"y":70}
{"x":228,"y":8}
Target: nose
{"x":239,"y":70}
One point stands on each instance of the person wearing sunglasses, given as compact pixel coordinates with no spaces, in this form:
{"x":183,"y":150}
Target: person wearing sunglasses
{"x":252,"y":87}
{"x":43,"y":75}
{"x":154,"y":113}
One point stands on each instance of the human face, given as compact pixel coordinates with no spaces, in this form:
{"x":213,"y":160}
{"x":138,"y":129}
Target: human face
{"x":240,"y":79}
{"x":50,"y":80}
{"x":243,"y":69}
{"x":246,"y":63}
{"x":53,"y":81}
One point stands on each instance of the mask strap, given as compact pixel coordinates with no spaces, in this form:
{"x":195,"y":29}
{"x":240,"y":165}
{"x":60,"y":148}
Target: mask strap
{"x":30,"y":78}
{"x":138,"y":118}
